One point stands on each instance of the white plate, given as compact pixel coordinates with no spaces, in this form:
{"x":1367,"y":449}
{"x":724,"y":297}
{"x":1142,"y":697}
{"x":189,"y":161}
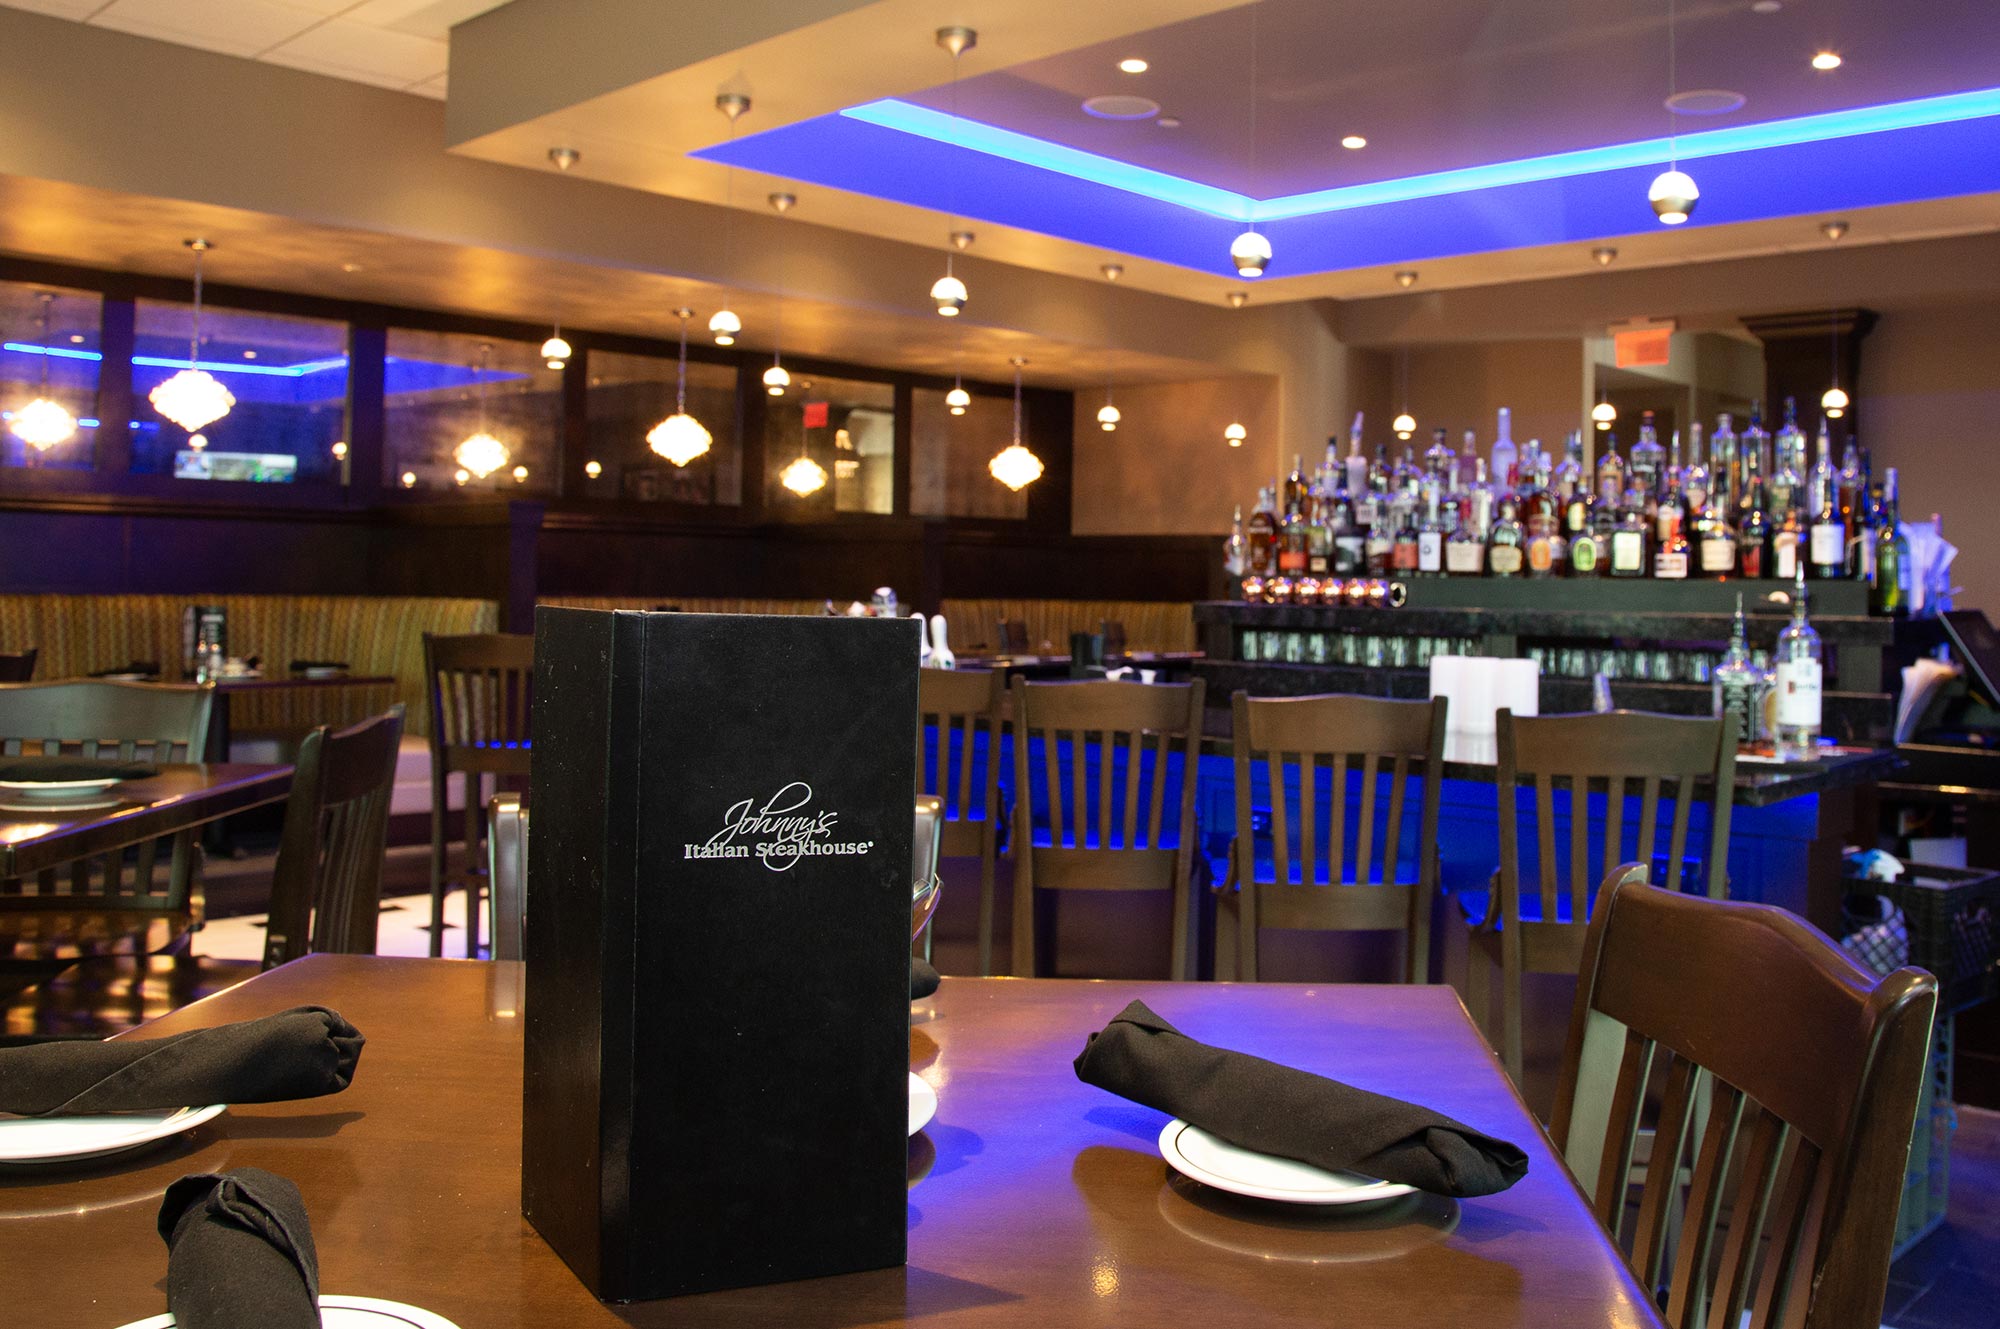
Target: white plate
{"x":44,"y":806}
{"x":346,"y":1313}
{"x":123,"y":678}
{"x":923,"y":1103}
{"x":55,"y":790}
{"x":324,"y":671}
{"x":1215,"y":1162}
{"x":39,"y":1141}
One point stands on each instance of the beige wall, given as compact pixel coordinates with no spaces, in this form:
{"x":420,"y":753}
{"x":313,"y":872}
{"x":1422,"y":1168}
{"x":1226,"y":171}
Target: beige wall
{"x":1462,"y":386}
{"x":1167,"y":471}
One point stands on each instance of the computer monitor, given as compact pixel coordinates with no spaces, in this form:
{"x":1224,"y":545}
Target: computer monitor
{"x":1978,"y":647}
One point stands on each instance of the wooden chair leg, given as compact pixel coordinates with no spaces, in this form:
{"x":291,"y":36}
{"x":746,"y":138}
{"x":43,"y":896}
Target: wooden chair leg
{"x":988,"y":853}
{"x":1178,"y":963}
{"x":439,"y":835}
{"x":1024,"y":915}
{"x":474,"y":809}
{"x":1510,"y":1000}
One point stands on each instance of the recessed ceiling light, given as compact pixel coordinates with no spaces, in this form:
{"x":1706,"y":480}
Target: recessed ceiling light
{"x":1119,"y":106}
{"x":249,"y":355}
{"x":1406,"y":279}
{"x":1826,"y":60}
{"x":1132,"y":65}
{"x":1238,"y":299}
{"x":1767,"y":6}
{"x":350,"y":267}
{"x":1112,"y":271}
{"x":1705,"y":101}
{"x":1353,"y":141}
{"x":1605,"y":255}
{"x":1833,"y":230}
{"x":1168,"y":122}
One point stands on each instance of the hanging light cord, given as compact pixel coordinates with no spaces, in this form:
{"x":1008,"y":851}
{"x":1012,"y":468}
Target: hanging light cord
{"x":1252,"y":221}
{"x":194,"y":337}
{"x":485,"y":358}
{"x":957,"y":182}
{"x":1017,"y":405}
{"x":47,"y":300}
{"x":1673,"y":87}
{"x":681,"y":378}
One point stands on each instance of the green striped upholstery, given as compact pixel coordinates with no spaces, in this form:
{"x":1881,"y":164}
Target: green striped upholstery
{"x":1150,"y":625}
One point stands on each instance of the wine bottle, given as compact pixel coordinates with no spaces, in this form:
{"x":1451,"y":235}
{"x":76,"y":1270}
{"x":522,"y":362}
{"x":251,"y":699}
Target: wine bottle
{"x":1826,"y":534}
{"x":1888,"y":589}
{"x":1799,"y":677}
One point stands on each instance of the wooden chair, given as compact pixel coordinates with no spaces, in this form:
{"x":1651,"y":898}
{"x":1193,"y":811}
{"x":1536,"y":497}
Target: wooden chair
{"x":1013,"y":639}
{"x":1535,"y":921}
{"x":507,"y":872}
{"x":114,"y":901}
{"x":959,"y":715}
{"x":480,"y":688}
{"x":19,"y":667}
{"x":1140,"y":838}
{"x":1790,"y":1181}
{"x":1307,"y":883}
{"x":326,"y":893}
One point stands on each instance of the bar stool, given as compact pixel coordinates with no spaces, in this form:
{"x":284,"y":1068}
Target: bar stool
{"x":1581,"y":766}
{"x":1331,"y":881}
{"x":1138,"y":779}
{"x":958,"y":761}
{"x":480,"y":687}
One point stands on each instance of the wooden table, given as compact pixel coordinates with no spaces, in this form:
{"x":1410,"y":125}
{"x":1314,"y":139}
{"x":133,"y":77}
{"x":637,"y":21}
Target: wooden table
{"x":1034,"y":1199}
{"x":178,"y":798}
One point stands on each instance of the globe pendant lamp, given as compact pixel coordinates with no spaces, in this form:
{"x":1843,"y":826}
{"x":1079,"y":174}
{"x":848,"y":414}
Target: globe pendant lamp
{"x":481,"y":454}
{"x":555,"y":350}
{"x":1251,"y":252}
{"x":1404,"y":425}
{"x":1673,"y":193}
{"x":193,"y":398}
{"x":1833,"y":401}
{"x":724,"y":324}
{"x":776,"y":379}
{"x":1107,"y":414}
{"x":1235,"y":435}
{"x":44,"y":422}
{"x":958,"y":398}
{"x":680,"y":438}
{"x":1015,"y":466}
{"x":1604,"y":415}
{"x":948,"y":293}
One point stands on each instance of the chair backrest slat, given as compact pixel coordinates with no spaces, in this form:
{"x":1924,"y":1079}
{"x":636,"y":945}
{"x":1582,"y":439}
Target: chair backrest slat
{"x":1336,"y":829}
{"x":1649,"y":1243}
{"x":1281,"y":836}
{"x":1371,"y":769}
{"x":1677,"y":841}
{"x":953,"y":705}
{"x":1308,"y":766}
{"x":1621,"y":1131}
{"x":106,"y":721}
{"x":1695,"y":1255}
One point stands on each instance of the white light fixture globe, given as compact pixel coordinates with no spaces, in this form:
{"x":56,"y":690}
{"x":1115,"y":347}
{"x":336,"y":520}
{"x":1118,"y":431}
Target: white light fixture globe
{"x":1673,"y":196}
{"x":593,"y":469}
{"x":520,"y":475}
{"x":1236,"y":434}
{"x":1834,"y":402}
{"x":556,"y":351}
{"x":42,"y":424}
{"x":482,"y":454}
{"x":197,"y":442}
{"x":1404,"y":425}
{"x":1251,"y":253}
{"x":1015,"y":467}
{"x":776,"y":380}
{"x":192,"y":399}
{"x":957,"y":400}
{"x":1603,"y":414}
{"x":680,"y":438}
{"x":949,"y":294}
{"x":725,"y":325}
{"x":1108,"y":417}
{"x":804,"y":476}
{"x":409,"y":479}
{"x":460,"y":476}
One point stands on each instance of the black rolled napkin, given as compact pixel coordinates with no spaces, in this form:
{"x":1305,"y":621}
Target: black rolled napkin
{"x":301,"y":1053}
{"x":924,"y":979}
{"x":239,"y":1252}
{"x":56,"y":770}
{"x":300,"y":666}
{"x":1273,"y":1109}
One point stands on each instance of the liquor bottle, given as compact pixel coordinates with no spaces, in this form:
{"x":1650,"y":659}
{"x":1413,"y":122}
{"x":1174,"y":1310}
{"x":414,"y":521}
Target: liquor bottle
{"x":1695,"y":478}
{"x":1672,"y":475}
{"x":1506,"y":457}
{"x":1723,"y":476}
{"x":1736,"y":680}
{"x":1378,"y":485}
{"x":1753,"y":532}
{"x":1715,"y":539}
{"x":1787,"y":557}
{"x":1347,"y":535}
{"x":1798,"y":683}
{"x":1464,"y":550}
{"x":1357,"y":465}
{"x":1431,"y":533}
{"x":1292,"y":543}
{"x":1628,"y":539}
{"x":1826,"y":534}
{"x":1648,"y":459}
{"x":1753,"y":450}
{"x":1479,"y":503}
{"x":1503,"y":549}
{"x":1586,"y":551}
{"x":1671,"y":509}
{"x":1236,"y":549}
{"x":1380,"y":537}
{"x":1787,"y":488}
{"x":1577,"y":510}
{"x":1438,"y":457}
{"x":1767,"y":696}
{"x":1670,"y":559}
{"x":1293,"y":496}
{"x":1851,"y":486}
{"x":1543,"y":545}
{"x":1568,"y":475}
{"x":1264,"y":534}
{"x":1404,"y":548}
{"x":1610,"y":475}
{"x":1790,"y":443}
{"x":1888,"y":590}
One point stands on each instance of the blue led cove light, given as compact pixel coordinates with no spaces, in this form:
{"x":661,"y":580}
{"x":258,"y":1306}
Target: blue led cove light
{"x":908,"y":118}
{"x":299,"y":370}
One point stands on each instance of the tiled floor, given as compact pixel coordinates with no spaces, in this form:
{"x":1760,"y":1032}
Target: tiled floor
{"x":1951,"y":1280}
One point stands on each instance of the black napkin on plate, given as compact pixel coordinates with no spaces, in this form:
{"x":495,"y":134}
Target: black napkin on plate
{"x":924,"y":979}
{"x":300,"y":666}
{"x":1273,"y":1109}
{"x":301,"y":1053}
{"x":56,"y":770}
{"x":239,"y":1252}
{"x":147,"y":667}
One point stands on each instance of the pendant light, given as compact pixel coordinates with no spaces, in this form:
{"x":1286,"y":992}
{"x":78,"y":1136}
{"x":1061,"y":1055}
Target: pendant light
{"x":776,"y":380}
{"x":724,"y":323}
{"x":1235,"y":435}
{"x":803,"y":475}
{"x":948,"y":293}
{"x":1404,"y":424}
{"x":1015,"y":466}
{"x":680,"y":438}
{"x":1107,"y":414}
{"x":1834,"y":401}
{"x":555,"y":350}
{"x":44,"y":422}
{"x":1604,"y":414}
{"x":1673,"y":193}
{"x":1250,"y":251}
{"x":958,"y":398}
{"x":193,"y":398}
{"x":480,"y":453}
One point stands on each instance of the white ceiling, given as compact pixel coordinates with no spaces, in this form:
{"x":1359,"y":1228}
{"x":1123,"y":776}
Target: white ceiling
{"x":398,"y":44}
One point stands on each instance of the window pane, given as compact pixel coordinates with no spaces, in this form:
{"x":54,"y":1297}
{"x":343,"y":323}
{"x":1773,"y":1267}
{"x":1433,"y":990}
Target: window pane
{"x":57,"y":361}
{"x":628,"y":395}
{"x":443,"y":388}
{"x":288,"y":376}
{"x":948,"y":475}
{"x":848,"y":427}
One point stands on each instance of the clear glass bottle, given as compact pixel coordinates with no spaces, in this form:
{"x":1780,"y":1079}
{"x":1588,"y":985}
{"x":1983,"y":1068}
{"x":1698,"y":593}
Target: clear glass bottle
{"x":1610,"y":475}
{"x":1736,"y":679}
{"x":1479,"y":502}
{"x":1357,"y":465}
{"x":1506,"y":457}
{"x":1648,"y":463}
{"x":1799,"y":674}
{"x":1568,"y":477}
{"x":1431,"y":532}
{"x":1695,"y":478}
{"x":1236,"y":549}
{"x":1790,"y":443}
{"x":1724,"y":476}
{"x":1788,"y":538}
{"x":1753,"y":450}
{"x":1826,"y":534}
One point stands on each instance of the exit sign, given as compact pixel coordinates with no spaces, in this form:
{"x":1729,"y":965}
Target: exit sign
{"x":1647,"y":346}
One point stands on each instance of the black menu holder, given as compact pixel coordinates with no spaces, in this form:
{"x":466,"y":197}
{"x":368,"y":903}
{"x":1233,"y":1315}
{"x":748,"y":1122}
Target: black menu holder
{"x":718,"y":941}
